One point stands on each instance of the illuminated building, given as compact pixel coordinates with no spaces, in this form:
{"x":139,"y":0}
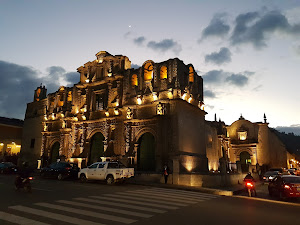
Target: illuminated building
{"x":10,"y":139}
{"x":145,"y":117}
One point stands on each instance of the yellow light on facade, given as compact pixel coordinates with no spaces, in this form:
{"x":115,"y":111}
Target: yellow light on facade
{"x":75,"y":118}
{"x":45,"y":117}
{"x":76,"y":111}
{"x":13,"y":143}
{"x":154,"y":96}
{"x":189,"y":166}
{"x":117,"y":102}
{"x":83,"y":117}
{"x":106,"y":113}
{"x":1,"y":144}
{"x":190,"y":99}
{"x":18,"y":146}
{"x":139,"y":100}
{"x":116,"y":111}
{"x":53,"y":116}
{"x":109,"y":74}
{"x":100,"y":60}
{"x":183,"y":96}
{"x":87,"y":81}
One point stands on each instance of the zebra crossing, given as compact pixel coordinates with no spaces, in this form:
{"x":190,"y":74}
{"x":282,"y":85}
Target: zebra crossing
{"x":117,"y":208}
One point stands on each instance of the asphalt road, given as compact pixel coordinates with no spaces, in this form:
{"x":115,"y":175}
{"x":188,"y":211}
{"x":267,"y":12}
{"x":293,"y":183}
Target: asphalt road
{"x":71,"y":202}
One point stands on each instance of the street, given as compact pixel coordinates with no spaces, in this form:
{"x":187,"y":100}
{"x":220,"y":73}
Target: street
{"x":71,"y":202}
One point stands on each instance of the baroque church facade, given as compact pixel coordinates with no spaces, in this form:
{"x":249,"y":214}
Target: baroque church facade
{"x":144,"y":117}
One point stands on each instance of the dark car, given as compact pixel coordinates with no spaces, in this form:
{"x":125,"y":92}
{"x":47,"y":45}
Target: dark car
{"x":7,"y":167}
{"x":285,"y":186}
{"x":60,"y":170}
{"x":270,"y":175}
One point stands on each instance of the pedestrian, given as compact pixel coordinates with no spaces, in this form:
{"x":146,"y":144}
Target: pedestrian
{"x":166,"y":173}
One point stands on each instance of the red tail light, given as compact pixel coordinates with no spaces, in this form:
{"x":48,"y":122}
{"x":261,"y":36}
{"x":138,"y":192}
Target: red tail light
{"x":30,"y":178}
{"x":248,"y":184}
{"x":68,"y":168}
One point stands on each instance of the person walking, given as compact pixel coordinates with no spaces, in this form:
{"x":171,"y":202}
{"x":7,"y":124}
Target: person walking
{"x":166,"y":173}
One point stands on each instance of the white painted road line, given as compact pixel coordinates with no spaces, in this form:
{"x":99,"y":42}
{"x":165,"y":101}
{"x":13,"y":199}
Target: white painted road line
{"x":190,"y":193}
{"x":134,"y":202}
{"x":126,"y":212}
{"x":172,"y":195}
{"x":87,"y":213}
{"x":143,"y":198}
{"x":130,"y":206}
{"x":54,"y":216}
{"x":19,"y":220}
{"x":164,"y":196}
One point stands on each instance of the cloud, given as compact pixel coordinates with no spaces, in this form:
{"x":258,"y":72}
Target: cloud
{"x":139,"y":41}
{"x":291,"y":129}
{"x":297,"y":50}
{"x":217,"y":27}
{"x":214,"y":76}
{"x":209,"y":94}
{"x":221,"y":57}
{"x":72,"y":78}
{"x":220,"y":76}
{"x":19,"y":82}
{"x":237,"y":79}
{"x":135,"y":66}
{"x":255,"y":28}
{"x":165,"y":45}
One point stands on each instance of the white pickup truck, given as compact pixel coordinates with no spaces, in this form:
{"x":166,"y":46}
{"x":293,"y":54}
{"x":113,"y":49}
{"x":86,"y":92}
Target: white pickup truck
{"x":110,"y":171}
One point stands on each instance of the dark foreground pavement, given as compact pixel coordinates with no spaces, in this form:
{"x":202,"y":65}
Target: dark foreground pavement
{"x":71,"y":202}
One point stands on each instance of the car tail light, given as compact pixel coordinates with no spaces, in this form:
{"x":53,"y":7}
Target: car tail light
{"x":68,"y":168}
{"x":264,"y":178}
{"x":30,"y":178}
{"x":287,"y":186}
{"x":248,"y":184}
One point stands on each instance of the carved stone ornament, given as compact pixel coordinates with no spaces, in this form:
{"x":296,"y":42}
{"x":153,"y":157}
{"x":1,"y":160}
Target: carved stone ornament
{"x":129,"y":114}
{"x":160,"y":109}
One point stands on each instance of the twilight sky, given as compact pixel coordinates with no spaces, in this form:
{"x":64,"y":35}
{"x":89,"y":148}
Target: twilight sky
{"x":248,"y":52}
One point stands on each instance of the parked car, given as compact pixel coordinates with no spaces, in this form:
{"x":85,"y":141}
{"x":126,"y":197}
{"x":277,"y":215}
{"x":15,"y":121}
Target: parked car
{"x":285,"y":186}
{"x":111,"y":172}
{"x":270,"y":175}
{"x":7,"y":167}
{"x":60,"y":170}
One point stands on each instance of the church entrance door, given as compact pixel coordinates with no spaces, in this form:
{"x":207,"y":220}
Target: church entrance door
{"x":54,"y":152}
{"x":97,"y":148}
{"x":245,"y":160}
{"x":146,"y":153}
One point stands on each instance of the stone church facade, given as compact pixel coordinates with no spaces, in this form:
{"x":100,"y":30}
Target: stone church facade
{"x":144,"y":117}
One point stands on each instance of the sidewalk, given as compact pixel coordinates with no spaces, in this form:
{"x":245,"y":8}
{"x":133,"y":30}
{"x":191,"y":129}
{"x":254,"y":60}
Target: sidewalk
{"x":224,"y":191}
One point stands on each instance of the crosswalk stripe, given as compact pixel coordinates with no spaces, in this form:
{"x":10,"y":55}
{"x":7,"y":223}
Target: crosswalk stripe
{"x":164,"y":197}
{"x":134,"y":202}
{"x":174,"y":194}
{"x":121,"y":205}
{"x":19,"y":220}
{"x":105,"y":208}
{"x":87,"y":213}
{"x":143,"y":198}
{"x":190,"y":193}
{"x":54,"y":216}
{"x":171,"y":195}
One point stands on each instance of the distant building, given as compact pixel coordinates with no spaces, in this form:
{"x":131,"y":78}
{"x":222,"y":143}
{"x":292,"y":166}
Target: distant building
{"x":144,"y":117}
{"x":10,"y":139}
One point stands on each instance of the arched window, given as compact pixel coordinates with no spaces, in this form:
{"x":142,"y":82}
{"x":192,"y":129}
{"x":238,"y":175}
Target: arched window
{"x":148,"y":71}
{"x":134,"y":80}
{"x":163,"y":73}
{"x":191,"y":74}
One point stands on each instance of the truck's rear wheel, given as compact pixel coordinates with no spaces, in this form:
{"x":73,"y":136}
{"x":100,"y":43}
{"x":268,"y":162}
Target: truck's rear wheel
{"x":110,"y":179}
